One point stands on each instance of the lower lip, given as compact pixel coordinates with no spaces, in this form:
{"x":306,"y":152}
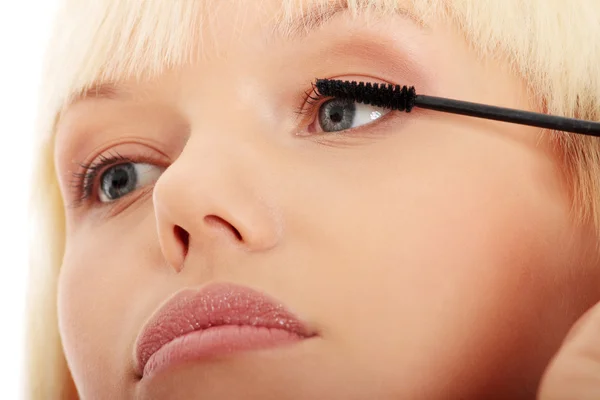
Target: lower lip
{"x":216,"y":341}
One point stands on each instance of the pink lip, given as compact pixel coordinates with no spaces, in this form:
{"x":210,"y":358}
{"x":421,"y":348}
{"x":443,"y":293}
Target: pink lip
{"x":215,"y":320}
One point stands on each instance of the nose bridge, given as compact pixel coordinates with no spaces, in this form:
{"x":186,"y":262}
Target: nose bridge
{"x":216,"y":168}
{"x":227,"y":102}
{"x":227,"y":148}
{"x":227,"y":141}
{"x":229,"y":138}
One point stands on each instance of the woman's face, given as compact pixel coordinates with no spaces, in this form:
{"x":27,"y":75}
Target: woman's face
{"x":426,"y":255}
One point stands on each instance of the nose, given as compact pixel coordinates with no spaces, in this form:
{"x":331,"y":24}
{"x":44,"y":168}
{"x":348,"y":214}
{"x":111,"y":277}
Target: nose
{"x":210,"y":201}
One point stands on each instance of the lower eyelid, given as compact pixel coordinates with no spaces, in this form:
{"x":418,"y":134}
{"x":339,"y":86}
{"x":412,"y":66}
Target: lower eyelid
{"x":363,"y":134}
{"x":134,"y":198}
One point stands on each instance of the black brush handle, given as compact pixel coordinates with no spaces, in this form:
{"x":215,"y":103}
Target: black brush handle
{"x":477,"y":110}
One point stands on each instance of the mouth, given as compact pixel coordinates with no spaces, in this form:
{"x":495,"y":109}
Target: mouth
{"x":217,"y":320}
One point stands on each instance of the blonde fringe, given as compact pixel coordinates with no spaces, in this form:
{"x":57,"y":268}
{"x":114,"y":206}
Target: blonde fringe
{"x":550,"y":43}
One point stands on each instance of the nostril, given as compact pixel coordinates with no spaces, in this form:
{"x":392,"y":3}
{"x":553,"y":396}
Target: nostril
{"x":237,"y":233}
{"x":218,"y":221}
{"x":183,"y":237}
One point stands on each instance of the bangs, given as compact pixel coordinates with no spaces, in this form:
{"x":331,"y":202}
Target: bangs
{"x":109,"y":41}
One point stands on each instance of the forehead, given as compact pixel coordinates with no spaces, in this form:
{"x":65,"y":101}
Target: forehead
{"x":131,"y":39}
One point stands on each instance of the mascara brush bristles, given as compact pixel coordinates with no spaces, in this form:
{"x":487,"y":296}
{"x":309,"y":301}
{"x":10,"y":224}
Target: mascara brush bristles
{"x":402,"y":98}
{"x":393,"y":97}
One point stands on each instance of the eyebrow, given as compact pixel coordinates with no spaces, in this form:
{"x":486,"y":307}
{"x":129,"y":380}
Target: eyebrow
{"x":100,"y":91}
{"x":322,"y":13}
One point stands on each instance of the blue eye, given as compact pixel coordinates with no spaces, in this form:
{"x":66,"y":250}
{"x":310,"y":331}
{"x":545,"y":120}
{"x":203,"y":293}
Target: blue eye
{"x":120,"y":180}
{"x":339,"y":114}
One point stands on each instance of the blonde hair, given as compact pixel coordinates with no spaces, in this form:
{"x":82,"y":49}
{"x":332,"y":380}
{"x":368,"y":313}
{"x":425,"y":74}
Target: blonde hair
{"x":547,"y":42}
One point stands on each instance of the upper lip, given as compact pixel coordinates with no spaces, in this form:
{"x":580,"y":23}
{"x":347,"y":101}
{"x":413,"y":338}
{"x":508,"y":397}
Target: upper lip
{"x":214,"y":305}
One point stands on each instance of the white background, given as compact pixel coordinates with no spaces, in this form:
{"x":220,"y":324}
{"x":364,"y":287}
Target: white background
{"x":24,"y":28}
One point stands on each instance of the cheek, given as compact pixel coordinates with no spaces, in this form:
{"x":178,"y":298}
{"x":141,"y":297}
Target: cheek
{"x":457,"y":252}
{"x":84,"y":316}
{"x":101,"y":275}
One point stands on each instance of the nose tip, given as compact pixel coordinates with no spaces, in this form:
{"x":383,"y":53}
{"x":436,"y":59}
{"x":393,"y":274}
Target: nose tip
{"x":176,"y":245}
{"x":200,"y":222}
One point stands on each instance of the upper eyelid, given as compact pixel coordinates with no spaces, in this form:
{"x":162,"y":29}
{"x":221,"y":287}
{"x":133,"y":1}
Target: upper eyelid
{"x":87,"y":130}
{"x":100,"y":162}
{"x":392,"y":51}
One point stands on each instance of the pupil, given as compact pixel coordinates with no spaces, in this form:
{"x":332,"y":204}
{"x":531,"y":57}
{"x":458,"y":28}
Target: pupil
{"x":120,"y":179}
{"x":337,"y":115}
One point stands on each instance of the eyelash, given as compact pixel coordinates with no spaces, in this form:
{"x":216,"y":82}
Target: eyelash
{"x":310,"y":101}
{"x":84,"y":182}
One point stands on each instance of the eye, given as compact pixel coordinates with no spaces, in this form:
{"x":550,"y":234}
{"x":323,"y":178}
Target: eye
{"x":122,"y":179}
{"x":337,"y":115}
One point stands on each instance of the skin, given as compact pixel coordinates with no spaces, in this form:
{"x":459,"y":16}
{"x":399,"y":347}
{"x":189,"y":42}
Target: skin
{"x":436,"y":255}
{"x":574,"y":372}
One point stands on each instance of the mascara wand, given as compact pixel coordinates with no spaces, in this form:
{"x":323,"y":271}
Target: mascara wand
{"x":403,"y":98}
